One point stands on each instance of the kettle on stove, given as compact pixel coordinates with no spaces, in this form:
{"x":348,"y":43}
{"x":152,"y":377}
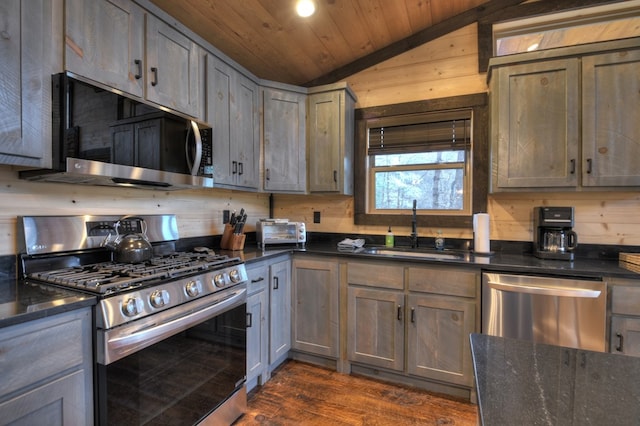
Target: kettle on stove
{"x":132,"y":247}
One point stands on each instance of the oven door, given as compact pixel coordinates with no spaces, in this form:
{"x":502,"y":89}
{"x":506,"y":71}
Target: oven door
{"x":178,"y":370}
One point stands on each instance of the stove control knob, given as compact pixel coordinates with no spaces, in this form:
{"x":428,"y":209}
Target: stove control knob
{"x":234,"y":275}
{"x":159,"y":298}
{"x":193,"y":288}
{"x":132,"y":307}
{"x":219,"y":280}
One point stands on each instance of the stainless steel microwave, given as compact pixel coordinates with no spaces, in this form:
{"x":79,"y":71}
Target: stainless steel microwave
{"x":103,"y":137}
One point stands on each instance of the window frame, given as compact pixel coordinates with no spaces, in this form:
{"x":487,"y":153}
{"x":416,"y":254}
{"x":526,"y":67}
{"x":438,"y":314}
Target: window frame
{"x":479,"y":161}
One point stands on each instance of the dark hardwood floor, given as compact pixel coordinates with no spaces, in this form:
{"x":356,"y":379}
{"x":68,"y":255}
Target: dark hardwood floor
{"x":304,"y":394}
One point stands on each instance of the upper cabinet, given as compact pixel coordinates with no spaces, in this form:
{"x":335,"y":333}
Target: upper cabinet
{"x":566,"y":119}
{"x":116,"y":43}
{"x":284,"y":140}
{"x":232,"y":112}
{"x":330,"y":122}
{"x":31,"y":50}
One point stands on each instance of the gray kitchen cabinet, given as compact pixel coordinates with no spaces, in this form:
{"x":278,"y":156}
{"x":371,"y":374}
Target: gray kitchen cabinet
{"x":565,"y":119}
{"x":442,"y":309}
{"x":232,"y":112}
{"x":331,"y":127}
{"x":284,"y":140}
{"x":610,"y":125}
{"x":104,"y":41}
{"x":118,"y":44}
{"x":625,"y":316}
{"x":31,"y":50}
{"x":47,"y":370}
{"x":257,"y":330}
{"x":535,"y":124}
{"x":279,"y":312}
{"x":315,"y":324}
{"x":413,"y":320}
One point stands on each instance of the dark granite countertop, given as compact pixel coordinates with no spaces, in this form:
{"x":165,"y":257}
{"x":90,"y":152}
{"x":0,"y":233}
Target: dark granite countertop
{"x":22,"y":301}
{"x":525,"y":383}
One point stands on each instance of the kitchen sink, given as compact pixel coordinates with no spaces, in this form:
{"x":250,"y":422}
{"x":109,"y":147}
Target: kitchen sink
{"x":417,"y":253}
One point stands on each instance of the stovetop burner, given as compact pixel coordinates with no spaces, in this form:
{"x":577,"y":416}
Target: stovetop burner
{"x":112,"y":277}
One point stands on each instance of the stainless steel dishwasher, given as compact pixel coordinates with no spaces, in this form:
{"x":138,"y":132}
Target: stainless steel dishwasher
{"x":558,"y":311}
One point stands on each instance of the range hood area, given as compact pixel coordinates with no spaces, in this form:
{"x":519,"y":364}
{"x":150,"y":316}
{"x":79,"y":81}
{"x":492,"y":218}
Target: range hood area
{"x":102,"y":137}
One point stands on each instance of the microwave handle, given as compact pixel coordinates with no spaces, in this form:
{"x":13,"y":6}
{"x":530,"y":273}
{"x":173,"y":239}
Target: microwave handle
{"x":195,"y":164}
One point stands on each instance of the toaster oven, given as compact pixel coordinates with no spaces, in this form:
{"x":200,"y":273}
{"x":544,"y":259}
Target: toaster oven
{"x":280,"y":231}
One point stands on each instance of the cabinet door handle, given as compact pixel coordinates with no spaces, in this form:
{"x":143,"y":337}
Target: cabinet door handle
{"x":257,"y":280}
{"x":335,"y":176}
{"x":589,"y":165}
{"x":154,"y":71}
{"x":620,"y":342}
{"x":234,"y":167}
{"x":275,"y":283}
{"x":399,"y":313}
{"x":249,"y":320}
{"x":413,"y":315}
{"x":267,"y":174}
{"x":572,"y":169}
{"x":138,"y":63}
{"x":240,"y":168}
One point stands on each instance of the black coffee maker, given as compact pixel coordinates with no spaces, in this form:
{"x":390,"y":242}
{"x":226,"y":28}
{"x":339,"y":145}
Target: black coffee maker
{"x":553,"y":237}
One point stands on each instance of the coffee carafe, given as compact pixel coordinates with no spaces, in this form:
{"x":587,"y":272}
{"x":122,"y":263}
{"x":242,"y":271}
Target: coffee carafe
{"x":553,"y":236}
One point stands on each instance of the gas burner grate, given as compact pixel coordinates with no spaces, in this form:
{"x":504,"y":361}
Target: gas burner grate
{"x":111,"y":277}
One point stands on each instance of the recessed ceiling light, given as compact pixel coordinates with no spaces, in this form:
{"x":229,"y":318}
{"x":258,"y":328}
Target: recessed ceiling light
{"x":532,"y":47}
{"x":305,"y":8}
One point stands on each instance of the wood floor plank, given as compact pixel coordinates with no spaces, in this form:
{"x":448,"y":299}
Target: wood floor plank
{"x":304,"y":394}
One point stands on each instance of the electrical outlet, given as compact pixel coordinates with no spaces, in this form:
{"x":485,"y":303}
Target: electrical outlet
{"x":316,"y":217}
{"x":225,"y":216}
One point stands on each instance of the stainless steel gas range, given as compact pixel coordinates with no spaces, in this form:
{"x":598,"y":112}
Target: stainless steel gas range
{"x":170,"y":331}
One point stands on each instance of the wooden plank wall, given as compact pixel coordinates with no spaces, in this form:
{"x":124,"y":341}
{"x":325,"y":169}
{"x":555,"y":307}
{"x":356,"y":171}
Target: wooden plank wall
{"x":449,"y":67}
{"x":199,"y":212}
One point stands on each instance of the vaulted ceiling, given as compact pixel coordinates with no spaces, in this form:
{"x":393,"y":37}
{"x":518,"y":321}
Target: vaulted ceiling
{"x":341,"y":38}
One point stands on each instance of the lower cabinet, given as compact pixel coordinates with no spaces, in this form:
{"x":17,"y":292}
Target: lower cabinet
{"x":625,"y":316}
{"x":413,"y":320}
{"x":269,"y":317}
{"x":315,"y":325}
{"x":47,"y":371}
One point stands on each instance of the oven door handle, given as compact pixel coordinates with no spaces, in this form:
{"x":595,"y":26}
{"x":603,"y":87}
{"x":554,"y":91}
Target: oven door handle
{"x":122,"y":341}
{"x":547,"y":291}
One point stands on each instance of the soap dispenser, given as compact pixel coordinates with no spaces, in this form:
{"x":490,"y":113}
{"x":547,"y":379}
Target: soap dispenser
{"x":388,"y":239}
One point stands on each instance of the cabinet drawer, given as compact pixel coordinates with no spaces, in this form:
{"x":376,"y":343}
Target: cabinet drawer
{"x":383,"y":275}
{"x":625,"y":300}
{"x":258,"y":277}
{"x":443,"y":281}
{"x":40,"y":349}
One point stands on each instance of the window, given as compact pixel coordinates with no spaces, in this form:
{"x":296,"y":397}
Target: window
{"x":422,"y":157}
{"x":434,"y":152}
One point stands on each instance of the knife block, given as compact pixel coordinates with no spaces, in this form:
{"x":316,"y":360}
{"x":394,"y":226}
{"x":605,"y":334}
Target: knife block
{"x":231,"y":241}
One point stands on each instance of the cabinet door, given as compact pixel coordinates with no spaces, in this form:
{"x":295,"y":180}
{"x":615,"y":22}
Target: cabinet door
{"x":375,"y":327}
{"x":172,"y":68}
{"x":285,"y":167}
{"x":105,"y":42}
{"x":245,"y":132}
{"x":625,"y":335}
{"x":257,"y":337}
{"x":325,"y":154}
{"x":220,"y":80}
{"x":30,"y":54}
{"x":438,"y":336}
{"x":315,"y":307}
{"x":610,"y":125}
{"x":279,"y":310}
{"x":535,"y":124}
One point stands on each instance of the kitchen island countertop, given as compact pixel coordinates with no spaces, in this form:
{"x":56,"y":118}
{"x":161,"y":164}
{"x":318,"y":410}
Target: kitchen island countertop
{"x":526,"y":383}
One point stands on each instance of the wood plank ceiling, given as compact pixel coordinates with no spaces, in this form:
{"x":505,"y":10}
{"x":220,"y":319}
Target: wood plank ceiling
{"x":270,"y":40}
{"x":343,"y":37}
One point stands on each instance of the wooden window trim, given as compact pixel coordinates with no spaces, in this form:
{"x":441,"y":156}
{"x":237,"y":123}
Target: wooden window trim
{"x":479,"y":162}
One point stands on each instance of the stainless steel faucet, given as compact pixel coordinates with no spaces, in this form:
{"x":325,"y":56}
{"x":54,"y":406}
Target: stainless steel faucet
{"x":414,"y":227}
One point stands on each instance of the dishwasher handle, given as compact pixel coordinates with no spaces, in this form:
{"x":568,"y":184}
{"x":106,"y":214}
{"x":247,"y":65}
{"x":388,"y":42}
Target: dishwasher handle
{"x":555,"y":290}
